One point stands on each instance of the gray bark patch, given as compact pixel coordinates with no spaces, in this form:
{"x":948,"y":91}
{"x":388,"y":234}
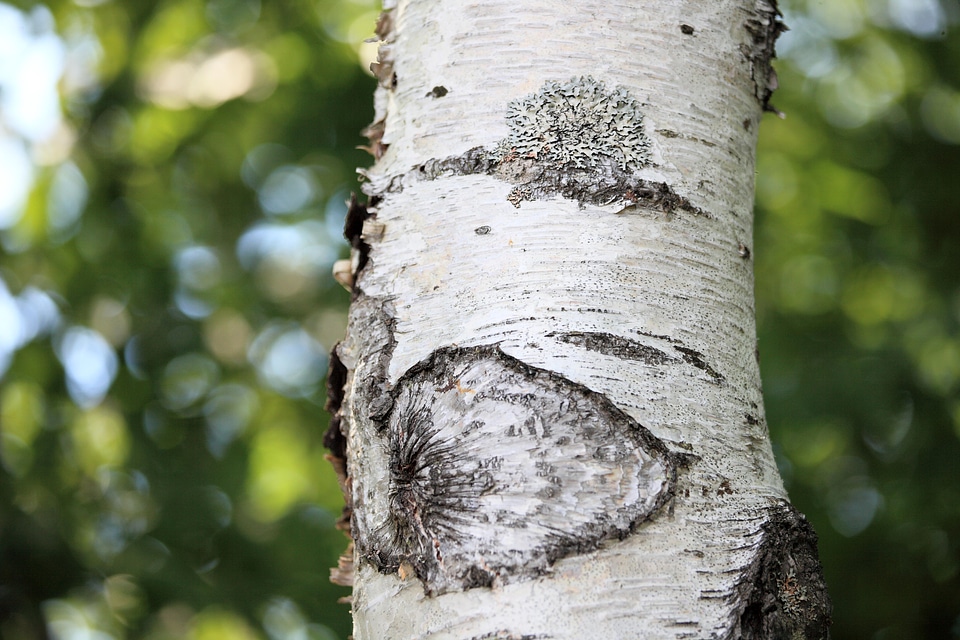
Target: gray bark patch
{"x":626,"y":349}
{"x":690,"y":356}
{"x":373,"y":319}
{"x":783,"y":595}
{"x":499,"y":469}
{"x":616,"y":346}
{"x":695,"y":358}
{"x":535,"y":180}
{"x":507,"y":635}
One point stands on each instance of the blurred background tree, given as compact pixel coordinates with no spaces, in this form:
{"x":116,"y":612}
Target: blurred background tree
{"x":172,"y":185}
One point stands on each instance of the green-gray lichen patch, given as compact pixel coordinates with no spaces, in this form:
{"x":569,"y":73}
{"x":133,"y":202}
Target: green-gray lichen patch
{"x":579,"y":124}
{"x":582,"y":141}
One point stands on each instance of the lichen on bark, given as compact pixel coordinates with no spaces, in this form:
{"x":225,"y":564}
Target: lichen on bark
{"x":579,"y":124}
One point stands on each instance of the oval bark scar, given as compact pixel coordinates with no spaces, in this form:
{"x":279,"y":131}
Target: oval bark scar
{"x":498,"y":469}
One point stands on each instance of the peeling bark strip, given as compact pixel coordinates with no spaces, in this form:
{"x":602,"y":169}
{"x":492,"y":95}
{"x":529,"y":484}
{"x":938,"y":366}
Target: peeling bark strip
{"x":382,"y":69}
{"x":783,"y":595}
{"x":336,"y":441}
{"x":353,"y":233}
{"x":498,"y":469}
{"x":765,"y":27}
{"x":379,"y":324}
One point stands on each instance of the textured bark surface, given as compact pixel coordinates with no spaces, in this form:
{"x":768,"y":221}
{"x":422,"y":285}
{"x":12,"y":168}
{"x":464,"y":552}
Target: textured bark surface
{"x":548,"y":412}
{"x":498,"y":469}
{"x":782,"y":593}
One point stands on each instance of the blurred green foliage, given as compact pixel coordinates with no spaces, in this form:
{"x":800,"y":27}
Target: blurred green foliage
{"x":858,"y":294}
{"x":166,"y":311}
{"x":173,"y":187}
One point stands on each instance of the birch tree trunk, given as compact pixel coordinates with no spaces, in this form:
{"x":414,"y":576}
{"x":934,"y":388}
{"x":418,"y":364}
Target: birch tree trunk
{"x":548,"y":414}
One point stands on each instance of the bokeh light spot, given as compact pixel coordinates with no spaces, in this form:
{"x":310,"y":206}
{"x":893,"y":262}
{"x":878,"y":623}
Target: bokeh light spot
{"x":228,"y":335}
{"x":280,"y":472}
{"x":66,"y":201}
{"x":33,"y":61}
{"x":187,"y":379}
{"x":287,"y":190}
{"x":853,"y":504}
{"x":198,"y":268}
{"x":811,"y":445}
{"x":940,"y":111}
{"x":100,"y":439}
{"x":919,"y":17}
{"x":229,"y":410}
{"x":16,"y":180}
{"x":110,"y":318}
{"x":85,"y":616}
{"x":290,"y":260}
{"x":283,"y":620}
{"x":215,"y":623}
{"x":288,"y":359}
{"x":124,"y":597}
{"x":90,"y":364}
{"x":207,"y":80}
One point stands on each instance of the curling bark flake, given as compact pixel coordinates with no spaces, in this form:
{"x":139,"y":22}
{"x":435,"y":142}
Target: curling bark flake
{"x":547,"y":408}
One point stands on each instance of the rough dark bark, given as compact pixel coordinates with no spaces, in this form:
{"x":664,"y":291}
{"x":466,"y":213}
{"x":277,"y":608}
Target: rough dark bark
{"x":783,"y":595}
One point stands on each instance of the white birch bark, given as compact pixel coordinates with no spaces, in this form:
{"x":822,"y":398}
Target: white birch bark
{"x":553,"y":422}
